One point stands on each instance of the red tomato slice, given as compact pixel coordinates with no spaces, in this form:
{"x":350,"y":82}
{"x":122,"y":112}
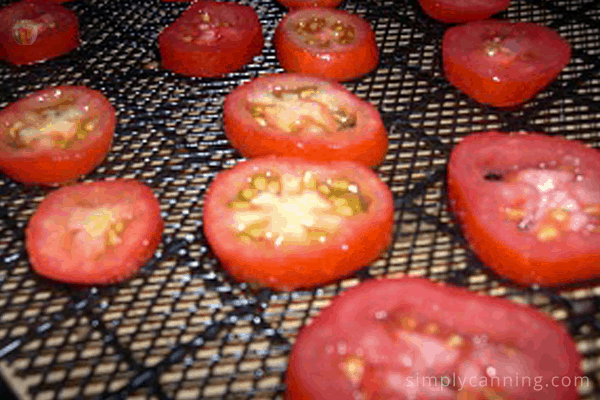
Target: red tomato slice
{"x":413,"y":339}
{"x":326,"y":42}
{"x":303,"y":116}
{"x":287,"y":223}
{"x":452,"y":11}
{"x":503,"y":63}
{"x":529,"y":205}
{"x":55,"y":135}
{"x":310,"y":3}
{"x":94,"y":233}
{"x":211,"y":39}
{"x":36,"y":30}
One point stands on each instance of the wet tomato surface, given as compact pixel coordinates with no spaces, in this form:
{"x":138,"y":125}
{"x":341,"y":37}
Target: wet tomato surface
{"x":502,"y":63}
{"x":36,"y":30}
{"x":287,"y":223}
{"x":410,"y":338}
{"x":94,"y":233}
{"x":211,"y":39}
{"x":55,"y":135}
{"x":303,"y":116}
{"x":529,"y":205}
{"x":326,"y":42}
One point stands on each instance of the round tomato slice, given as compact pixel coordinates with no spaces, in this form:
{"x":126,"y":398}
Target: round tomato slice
{"x":288,"y":223}
{"x":310,"y":3}
{"x":413,"y":339}
{"x":55,"y":135}
{"x":36,"y":30}
{"x":303,"y":116}
{"x":94,"y":233}
{"x":529,"y":205}
{"x":503,"y":63}
{"x":326,"y":42}
{"x":211,"y":39}
{"x":452,"y":11}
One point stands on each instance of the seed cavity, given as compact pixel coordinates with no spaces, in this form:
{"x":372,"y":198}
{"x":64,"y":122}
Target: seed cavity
{"x":304,"y":110}
{"x":325,"y":33}
{"x":297,"y":209}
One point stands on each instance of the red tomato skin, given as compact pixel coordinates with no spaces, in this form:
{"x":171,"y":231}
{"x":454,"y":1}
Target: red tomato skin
{"x":494,"y":83}
{"x":350,"y":324}
{"x":233,"y":50}
{"x":294,"y":4}
{"x":47,"y":44}
{"x":143,"y":237}
{"x":550,"y":264}
{"x":367,"y":144}
{"x":53,"y":167}
{"x":295,"y":267}
{"x":343,"y":65}
{"x":455,"y":12}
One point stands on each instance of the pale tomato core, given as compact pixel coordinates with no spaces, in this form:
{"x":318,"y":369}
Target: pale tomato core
{"x":294,"y":209}
{"x":306,"y":110}
{"x":550,"y":202}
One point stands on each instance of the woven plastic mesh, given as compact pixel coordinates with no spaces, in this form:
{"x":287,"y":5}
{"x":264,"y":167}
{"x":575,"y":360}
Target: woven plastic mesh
{"x":181,"y":329}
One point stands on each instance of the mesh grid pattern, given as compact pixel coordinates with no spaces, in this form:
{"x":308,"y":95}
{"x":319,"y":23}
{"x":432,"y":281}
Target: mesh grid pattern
{"x":181,"y":329}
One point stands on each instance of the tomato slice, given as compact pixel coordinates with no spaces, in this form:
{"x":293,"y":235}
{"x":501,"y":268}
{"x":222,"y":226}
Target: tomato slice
{"x":529,"y":205}
{"x":94,"y":233}
{"x":452,"y":11}
{"x":55,"y":135}
{"x":410,"y":338}
{"x":211,"y":39}
{"x":326,"y":42}
{"x":310,"y":3}
{"x":303,"y":116}
{"x":36,"y":30}
{"x":287,"y":223}
{"x":503,"y":63}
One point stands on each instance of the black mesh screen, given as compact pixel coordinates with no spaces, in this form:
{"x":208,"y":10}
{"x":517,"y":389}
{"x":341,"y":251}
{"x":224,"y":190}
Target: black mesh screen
{"x":181,"y":329}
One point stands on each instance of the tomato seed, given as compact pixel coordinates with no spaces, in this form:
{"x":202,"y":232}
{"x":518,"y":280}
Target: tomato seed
{"x":592,"y":209}
{"x":547,"y":232}
{"x":455,"y":341}
{"x":354,"y":369}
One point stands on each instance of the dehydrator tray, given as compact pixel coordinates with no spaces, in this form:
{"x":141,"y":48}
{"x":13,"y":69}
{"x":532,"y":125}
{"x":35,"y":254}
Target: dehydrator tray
{"x":181,"y":329}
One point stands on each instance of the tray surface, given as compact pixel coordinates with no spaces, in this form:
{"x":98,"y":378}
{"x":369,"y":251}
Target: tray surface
{"x":181,"y":329}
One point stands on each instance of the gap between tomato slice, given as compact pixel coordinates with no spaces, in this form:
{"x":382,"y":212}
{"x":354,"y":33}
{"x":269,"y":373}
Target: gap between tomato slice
{"x":413,"y":339}
{"x":287,"y":223}
{"x":94,"y":233}
{"x":529,"y":205}
{"x":36,"y":30}
{"x":326,"y":42}
{"x":55,"y":135}
{"x":303,"y":116}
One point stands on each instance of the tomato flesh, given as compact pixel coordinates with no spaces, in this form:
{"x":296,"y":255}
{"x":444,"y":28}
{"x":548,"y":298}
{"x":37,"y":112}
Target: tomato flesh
{"x":303,"y":116}
{"x":94,"y":233}
{"x":529,"y":205}
{"x":450,"y":11}
{"x":413,"y":339}
{"x":287,"y":223}
{"x":326,"y":42}
{"x":503,"y":63}
{"x":33,"y":31}
{"x":55,"y":135}
{"x":211,"y":39}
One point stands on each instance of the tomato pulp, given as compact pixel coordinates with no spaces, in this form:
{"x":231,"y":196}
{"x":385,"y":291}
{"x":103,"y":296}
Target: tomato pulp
{"x":36,"y":30}
{"x":529,"y":205}
{"x":503,"y":63}
{"x":55,"y":135}
{"x":211,"y":39}
{"x":326,"y":42}
{"x":452,"y":11}
{"x":413,"y":339}
{"x":94,"y":233}
{"x":303,"y":116}
{"x":287,"y":223}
